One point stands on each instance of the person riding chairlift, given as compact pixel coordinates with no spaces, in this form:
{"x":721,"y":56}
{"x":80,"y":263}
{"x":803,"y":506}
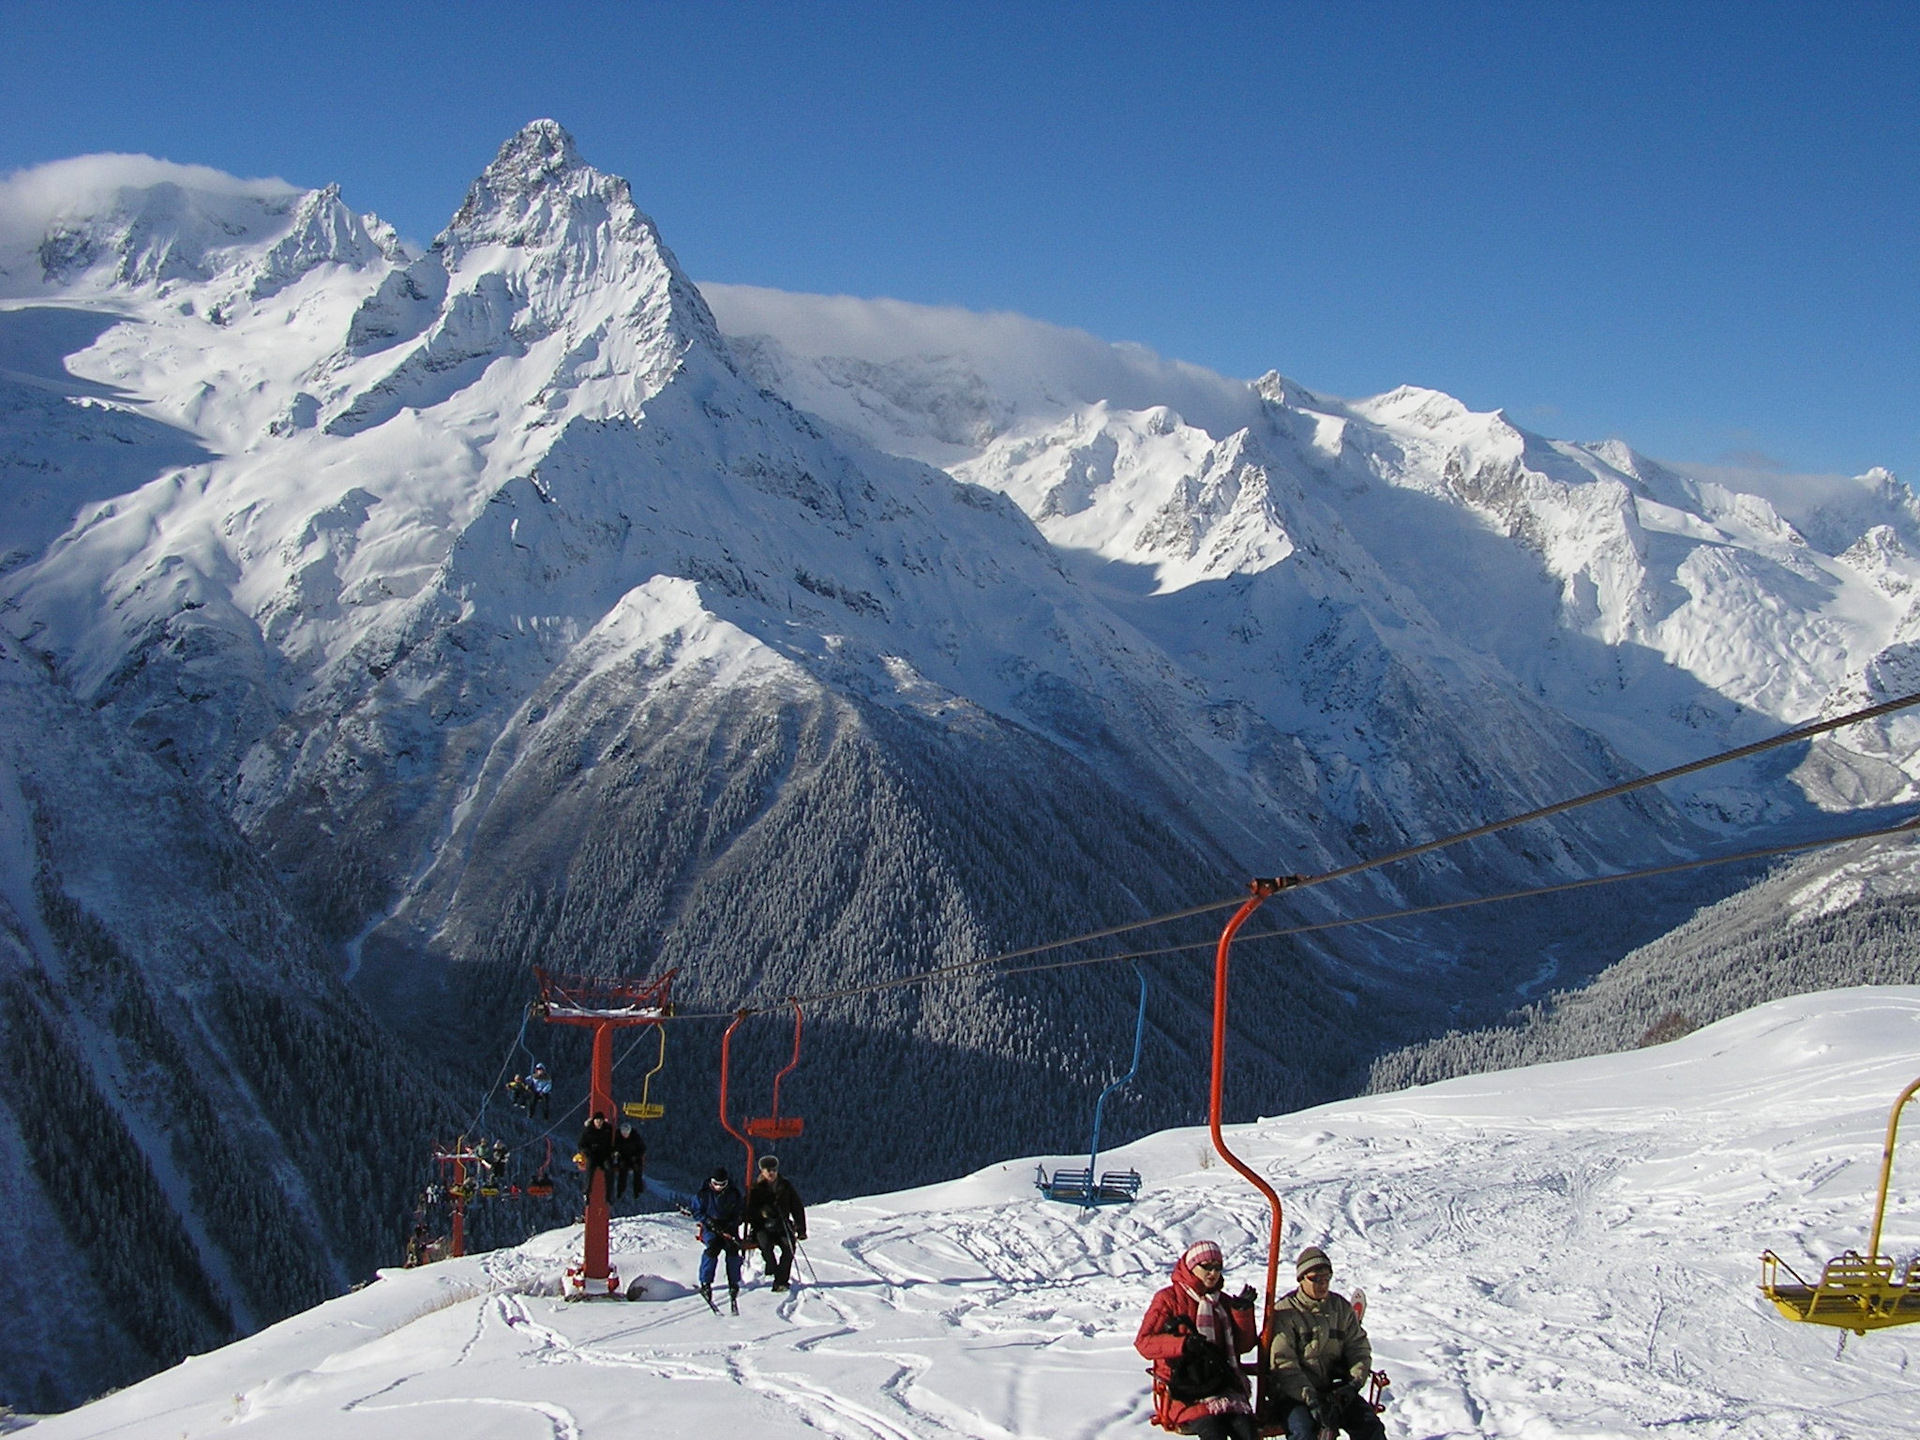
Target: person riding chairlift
{"x":1194,"y":1333}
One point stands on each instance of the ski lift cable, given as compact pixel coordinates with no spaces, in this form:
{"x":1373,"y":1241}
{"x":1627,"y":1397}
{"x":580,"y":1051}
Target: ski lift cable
{"x":1296,"y":882}
{"x":519,"y":1042}
{"x":1905,"y":827}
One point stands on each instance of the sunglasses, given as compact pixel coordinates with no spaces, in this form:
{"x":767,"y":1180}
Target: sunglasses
{"x":1206,"y":1265}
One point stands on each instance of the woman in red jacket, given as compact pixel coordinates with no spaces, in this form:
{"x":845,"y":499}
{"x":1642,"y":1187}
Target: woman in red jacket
{"x":1194,"y":1334}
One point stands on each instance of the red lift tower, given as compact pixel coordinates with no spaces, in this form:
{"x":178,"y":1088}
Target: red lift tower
{"x":602,"y":1005}
{"x":458,"y":1164}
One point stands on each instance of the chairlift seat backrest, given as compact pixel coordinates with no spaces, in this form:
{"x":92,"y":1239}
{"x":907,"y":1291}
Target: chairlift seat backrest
{"x":774,"y":1127}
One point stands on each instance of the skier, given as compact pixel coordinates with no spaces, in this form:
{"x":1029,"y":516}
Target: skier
{"x":596,"y":1153}
{"x":776,"y":1219}
{"x":629,"y":1159}
{"x":718,"y":1209}
{"x":541,"y":1086}
{"x":1194,"y":1333}
{"x":1321,"y":1357}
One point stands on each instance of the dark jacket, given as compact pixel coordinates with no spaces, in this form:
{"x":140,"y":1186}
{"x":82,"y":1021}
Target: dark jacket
{"x":596,"y":1143}
{"x":1168,"y":1323}
{"x":629,"y":1150}
{"x":1316,"y":1347}
{"x":719,"y":1212}
{"x":776,"y":1206}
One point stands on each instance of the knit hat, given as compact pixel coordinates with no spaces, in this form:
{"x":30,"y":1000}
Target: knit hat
{"x":719,"y":1176}
{"x":769,"y":1162}
{"x":1311,"y":1259}
{"x":1201,"y":1252}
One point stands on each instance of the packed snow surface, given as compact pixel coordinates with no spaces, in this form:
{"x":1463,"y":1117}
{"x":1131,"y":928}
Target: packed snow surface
{"x":1568,"y":1250}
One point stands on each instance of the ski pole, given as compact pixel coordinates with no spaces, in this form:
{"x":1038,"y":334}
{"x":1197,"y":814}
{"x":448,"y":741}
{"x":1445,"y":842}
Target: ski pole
{"x":801,"y":1251}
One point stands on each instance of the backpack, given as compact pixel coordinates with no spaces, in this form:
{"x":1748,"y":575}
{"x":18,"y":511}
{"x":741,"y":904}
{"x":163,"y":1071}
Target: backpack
{"x":1200,"y":1372}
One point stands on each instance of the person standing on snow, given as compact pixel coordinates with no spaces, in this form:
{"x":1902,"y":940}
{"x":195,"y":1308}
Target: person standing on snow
{"x":1321,"y":1359}
{"x":629,"y":1159}
{"x":719,"y":1208}
{"x":776,"y":1219}
{"x":596,"y":1153}
{"x":1194,"y":1334}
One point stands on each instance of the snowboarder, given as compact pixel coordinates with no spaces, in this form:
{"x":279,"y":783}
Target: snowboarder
{"x":596,"y":1153}
{"x":541,"y":1086}
{"x":718,"y":1208}
{"x":629,"y":1160}
{"x":776,"y":1219}
{"x":1321,"y":1359}
{"x":1194,"y":1333}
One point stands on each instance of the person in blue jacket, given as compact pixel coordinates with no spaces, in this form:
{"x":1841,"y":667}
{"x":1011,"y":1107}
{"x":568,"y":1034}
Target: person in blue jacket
{"x":719,"y":1207}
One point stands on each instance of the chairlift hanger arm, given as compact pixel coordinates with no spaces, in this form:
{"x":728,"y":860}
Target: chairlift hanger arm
{"x":1261,"y":891}
{"x":1886,"y":1165}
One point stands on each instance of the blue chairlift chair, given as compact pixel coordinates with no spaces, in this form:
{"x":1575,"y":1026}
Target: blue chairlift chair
{"x":1091,"y":1186}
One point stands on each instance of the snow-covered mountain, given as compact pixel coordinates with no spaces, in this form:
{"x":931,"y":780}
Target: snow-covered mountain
{"x":1671,"y":613}
{"x":201,"y":1130}
{"x":478,"y":531}
{"x":514,"y":608}
{"x":1564,"y":1251}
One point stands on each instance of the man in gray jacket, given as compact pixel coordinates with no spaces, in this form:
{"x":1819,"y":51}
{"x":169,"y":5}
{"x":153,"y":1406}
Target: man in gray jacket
{"x":1321,"y":1360}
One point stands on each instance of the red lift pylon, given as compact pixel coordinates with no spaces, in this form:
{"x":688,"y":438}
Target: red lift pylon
{"x":459,"y":1185}
{"x":602,"y":1005}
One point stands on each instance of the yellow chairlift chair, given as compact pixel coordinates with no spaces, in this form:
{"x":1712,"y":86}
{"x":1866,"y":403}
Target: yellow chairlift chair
{"x":643,"y":1108}
{"x":1856,"y":1292}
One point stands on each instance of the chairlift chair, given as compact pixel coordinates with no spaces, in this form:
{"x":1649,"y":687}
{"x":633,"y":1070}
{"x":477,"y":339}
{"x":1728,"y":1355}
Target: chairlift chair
{"x":758,"y":1127}
{"x":1857,"y":1292}
{"x":541,"y":1185}
{"x":777,"y":1126}
{"x":1090,"y":1187}
{"x":643,"y":1108}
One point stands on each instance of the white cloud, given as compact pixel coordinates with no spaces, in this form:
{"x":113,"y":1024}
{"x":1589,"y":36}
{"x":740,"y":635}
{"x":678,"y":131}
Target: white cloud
{"x":31,"y":199}
{"x":1027,"y":360}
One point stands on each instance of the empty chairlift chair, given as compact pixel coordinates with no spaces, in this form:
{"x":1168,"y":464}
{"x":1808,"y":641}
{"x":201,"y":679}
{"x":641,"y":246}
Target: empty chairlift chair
{"x":1093,"y":1186}
{"x":1855,"y":1292}
{"x":645,"y":1108}
{"x":759,"y":1127}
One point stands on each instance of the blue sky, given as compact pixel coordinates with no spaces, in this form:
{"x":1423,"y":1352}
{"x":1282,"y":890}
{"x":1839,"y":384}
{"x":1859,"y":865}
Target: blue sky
{"x":1688,"y":225}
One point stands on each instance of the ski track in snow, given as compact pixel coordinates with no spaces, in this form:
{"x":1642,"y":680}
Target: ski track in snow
{"x":1564,"y":1251}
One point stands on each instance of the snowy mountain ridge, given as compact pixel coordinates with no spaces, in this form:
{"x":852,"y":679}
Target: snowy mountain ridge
{"x":1764,"y":605}
{"x":1566,"y":1250}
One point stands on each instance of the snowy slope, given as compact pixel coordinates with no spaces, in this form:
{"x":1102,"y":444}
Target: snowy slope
{"x":1564,"y":1251}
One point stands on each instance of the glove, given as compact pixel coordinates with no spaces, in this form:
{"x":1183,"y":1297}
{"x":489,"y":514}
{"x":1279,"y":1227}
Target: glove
{"x":1242,"y":1301}
{"x":1322,"y":1415}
